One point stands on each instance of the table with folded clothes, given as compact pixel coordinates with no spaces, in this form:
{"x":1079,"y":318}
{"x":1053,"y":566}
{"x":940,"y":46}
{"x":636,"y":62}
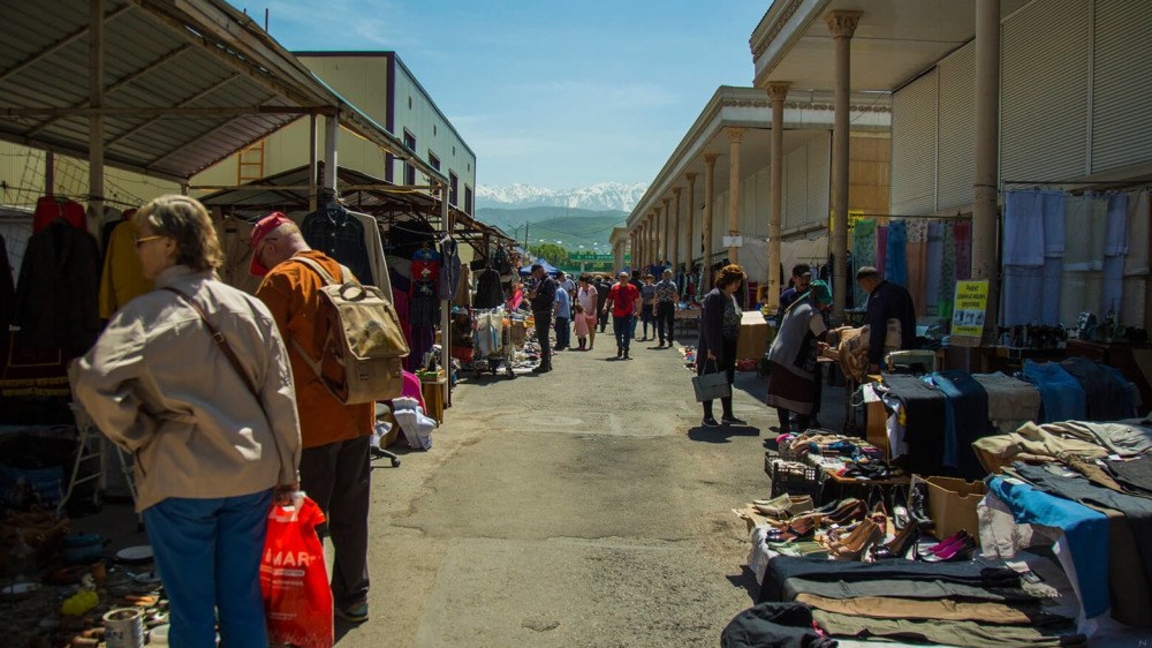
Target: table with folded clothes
{"x":1086,"y":489}
{"x":935,"y":418}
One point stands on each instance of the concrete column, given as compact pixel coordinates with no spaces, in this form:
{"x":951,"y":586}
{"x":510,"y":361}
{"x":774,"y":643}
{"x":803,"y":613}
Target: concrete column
{"x":677,"y":216}
{"x":984,"y":213}
{"x":842,"y":24}
{"x":735,"y":135}
{"x":709,"y":198}
{"x":690,"y":221}
{"x":666,"y":232}
{"x":96,"y":122}
{"x":331,"y":163}
{"x":777,"y":92}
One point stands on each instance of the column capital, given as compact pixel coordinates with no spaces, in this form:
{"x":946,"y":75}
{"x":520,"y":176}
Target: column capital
{"x":778,"y":90}
{"x":690,"y":177}
{"x":843,"y":22}
{"x":676,"y":191}
{"x":734,"y":133}
{"x":710,"y":159}
{"x":665,"y":200}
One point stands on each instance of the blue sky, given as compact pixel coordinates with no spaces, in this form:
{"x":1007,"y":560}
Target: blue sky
{"x":554,"y":93}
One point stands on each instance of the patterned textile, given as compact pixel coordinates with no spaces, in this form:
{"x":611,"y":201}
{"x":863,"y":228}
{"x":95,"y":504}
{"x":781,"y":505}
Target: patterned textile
{"x":962,"y":234}
{"x":917,"y":258}
{"x":947,"y":285}
{"x":896,"y":261}
{"x":934,"y":259}
{"x":852,"y":349}
{"x":863,"y":252}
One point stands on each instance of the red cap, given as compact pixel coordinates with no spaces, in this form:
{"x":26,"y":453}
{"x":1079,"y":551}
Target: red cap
{"x":265,"y":226}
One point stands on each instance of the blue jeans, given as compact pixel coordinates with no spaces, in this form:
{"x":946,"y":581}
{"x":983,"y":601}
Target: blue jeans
{"x":624,"y":328}
{"x":208,"y":555}
{"x":563,"y":332}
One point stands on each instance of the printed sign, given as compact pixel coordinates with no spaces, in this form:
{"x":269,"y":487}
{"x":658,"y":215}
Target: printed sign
{"x":971,"y":304}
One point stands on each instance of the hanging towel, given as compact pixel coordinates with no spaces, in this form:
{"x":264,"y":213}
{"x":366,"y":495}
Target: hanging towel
{"x":1050,"y":291}
{"x":1023,"y":296}
{"x":963,"y":234}
{"x":863,"y":252}
{"x":947,"y":285}
{"x":934,"y":259}
{"x":1023,"y":229}
{"x":881,"y":247}
{"x":896,"y":261}
{"x":916,"y":252}
{"x":1116,"y":225}
{"x":1136,"y":267}
{"x":1053,"y":202}
{"x":1085,"y":224}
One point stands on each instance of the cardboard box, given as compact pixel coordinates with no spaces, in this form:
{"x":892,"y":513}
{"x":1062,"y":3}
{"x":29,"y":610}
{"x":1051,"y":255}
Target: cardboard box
{"x":752,"y":339}
{"x":952,"y":504}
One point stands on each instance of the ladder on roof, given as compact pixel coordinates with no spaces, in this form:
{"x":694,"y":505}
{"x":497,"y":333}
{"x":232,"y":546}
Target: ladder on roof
{"x":251,"y":163}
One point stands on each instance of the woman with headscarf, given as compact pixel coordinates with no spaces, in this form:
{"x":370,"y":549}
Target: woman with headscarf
{"x":792,"y":381}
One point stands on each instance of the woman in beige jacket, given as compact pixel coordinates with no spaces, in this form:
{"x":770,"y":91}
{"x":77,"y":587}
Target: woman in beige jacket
{"x":211,"y":445}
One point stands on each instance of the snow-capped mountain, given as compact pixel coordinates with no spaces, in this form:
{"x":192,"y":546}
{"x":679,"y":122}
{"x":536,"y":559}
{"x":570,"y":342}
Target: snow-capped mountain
{"x":598,"y":197}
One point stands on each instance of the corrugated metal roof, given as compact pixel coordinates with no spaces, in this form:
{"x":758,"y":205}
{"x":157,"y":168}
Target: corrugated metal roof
{"x":180,"y":55}
{"x":360,"y":191}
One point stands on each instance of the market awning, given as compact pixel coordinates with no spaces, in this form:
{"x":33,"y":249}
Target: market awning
{"x":186,"y":83}
{"x":289,"y":192}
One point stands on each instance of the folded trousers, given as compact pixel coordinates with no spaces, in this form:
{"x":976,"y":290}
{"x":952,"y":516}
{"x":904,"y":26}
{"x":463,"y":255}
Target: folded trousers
{"x":966,"y":634}
{"x":909,"y":589}
{"x":886,"y":607}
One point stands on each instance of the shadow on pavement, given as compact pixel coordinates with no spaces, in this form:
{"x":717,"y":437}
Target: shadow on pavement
{"x":722,"y":434}
{"x":747,"y":580}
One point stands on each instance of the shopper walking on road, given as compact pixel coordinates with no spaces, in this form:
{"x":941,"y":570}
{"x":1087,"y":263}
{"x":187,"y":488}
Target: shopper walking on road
{"x":588,"y":298}
{"x":543,"y":300}
{"x":624,"y":301}
{"x":667,"y":296}
{"x":716,"y":346}
{"x":335,"y":466}
{"x":211,"y":443}
{"x":603,"y":285}
{"x":563,"y":313}
{"x":648,"y":306}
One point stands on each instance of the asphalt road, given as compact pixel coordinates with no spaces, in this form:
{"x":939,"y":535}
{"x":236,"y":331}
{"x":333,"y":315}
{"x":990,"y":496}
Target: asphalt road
{"x":584,"y":507}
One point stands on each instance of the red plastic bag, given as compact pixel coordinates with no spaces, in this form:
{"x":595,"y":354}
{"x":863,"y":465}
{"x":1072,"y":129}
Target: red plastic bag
{"x":297,"y":597}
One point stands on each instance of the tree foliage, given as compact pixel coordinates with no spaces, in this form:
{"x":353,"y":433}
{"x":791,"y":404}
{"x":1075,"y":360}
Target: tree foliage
{"x":550,"y":252}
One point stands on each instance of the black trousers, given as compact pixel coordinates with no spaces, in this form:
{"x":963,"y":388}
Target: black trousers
{"x":979,"y":572}
{"x":543,"y":336}
{"x":337,"y":476}
{"x":727,"y":364}
{"x":602,"y":319}
{"x":665,"y":321}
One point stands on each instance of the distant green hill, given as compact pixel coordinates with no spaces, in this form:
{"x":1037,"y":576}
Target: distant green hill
{"x":574,"y":228}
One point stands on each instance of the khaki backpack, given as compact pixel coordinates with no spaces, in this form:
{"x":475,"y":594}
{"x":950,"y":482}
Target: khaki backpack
{"x":361,"y":343}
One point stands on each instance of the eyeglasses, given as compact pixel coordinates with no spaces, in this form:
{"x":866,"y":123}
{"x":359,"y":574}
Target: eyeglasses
{"x":140,"y":241}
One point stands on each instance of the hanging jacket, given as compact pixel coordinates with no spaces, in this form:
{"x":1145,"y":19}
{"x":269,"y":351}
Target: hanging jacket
{"x":56,"y":299}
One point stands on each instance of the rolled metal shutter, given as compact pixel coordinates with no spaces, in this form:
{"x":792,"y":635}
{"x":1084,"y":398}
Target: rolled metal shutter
{"x":913,"y":188}
{"x":819,"y":174}
{"x":957,"y":154}
{"x":1044,"y":92}
{"x":1121,"y":84}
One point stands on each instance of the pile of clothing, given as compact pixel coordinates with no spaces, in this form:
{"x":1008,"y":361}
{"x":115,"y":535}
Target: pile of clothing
{"x":1089,"y":486}
{"x":806,"y":601}
{"x":849,"y":346}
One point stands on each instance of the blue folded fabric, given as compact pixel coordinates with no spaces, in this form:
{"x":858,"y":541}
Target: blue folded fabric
{"x":1061,"y":394}
{"x":1086,"y":530}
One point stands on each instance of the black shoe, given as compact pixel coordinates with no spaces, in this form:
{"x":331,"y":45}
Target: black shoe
{"x":709,"y":422}
{"x":542,"y":369}
{"x":728,"y":419}
{"x":626,"y":355}
{"x":619,"y":352}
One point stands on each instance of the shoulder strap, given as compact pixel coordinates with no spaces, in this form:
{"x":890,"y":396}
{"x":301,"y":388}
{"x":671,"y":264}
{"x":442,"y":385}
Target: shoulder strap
{"x":318,"y":269}
{"x":219,"y":339}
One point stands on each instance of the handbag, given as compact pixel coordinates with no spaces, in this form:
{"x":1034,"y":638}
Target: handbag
{"x":710,"y":386}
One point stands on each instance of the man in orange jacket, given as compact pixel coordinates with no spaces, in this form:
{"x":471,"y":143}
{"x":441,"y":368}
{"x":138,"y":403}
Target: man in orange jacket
{"x":335,"y":465}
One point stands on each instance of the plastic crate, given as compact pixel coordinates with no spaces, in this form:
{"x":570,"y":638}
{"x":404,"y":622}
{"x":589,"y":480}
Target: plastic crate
{"x":796,"y":479}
